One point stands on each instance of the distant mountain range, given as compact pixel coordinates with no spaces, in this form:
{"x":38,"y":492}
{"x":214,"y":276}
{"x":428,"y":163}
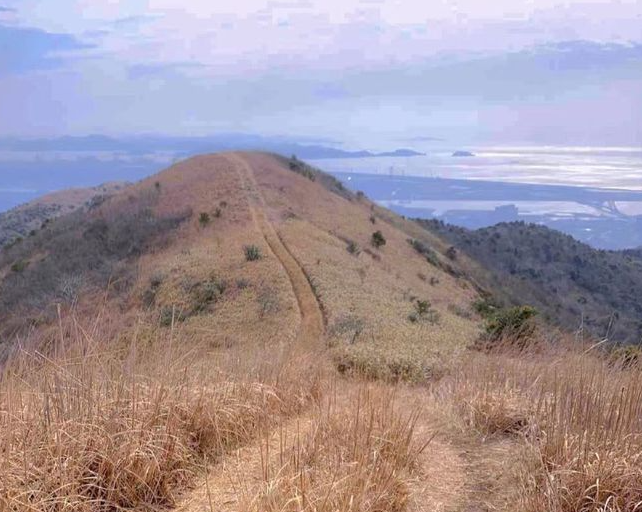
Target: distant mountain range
{"x":187,"y":146}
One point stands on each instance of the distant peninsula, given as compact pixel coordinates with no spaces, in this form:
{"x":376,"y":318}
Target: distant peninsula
{"x":463,"y":154}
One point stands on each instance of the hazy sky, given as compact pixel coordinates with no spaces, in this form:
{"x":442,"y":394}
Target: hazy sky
{"x":368,"y":72}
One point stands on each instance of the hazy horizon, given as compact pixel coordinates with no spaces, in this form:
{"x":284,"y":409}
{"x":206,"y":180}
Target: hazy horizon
{"x":367,"y":73}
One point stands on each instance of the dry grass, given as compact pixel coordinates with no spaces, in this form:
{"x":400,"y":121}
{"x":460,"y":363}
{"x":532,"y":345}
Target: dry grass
{"x":579,"y":418}
{"x":357,"y":455}
{"x":113,"y":415}
{"x":93,"y":430}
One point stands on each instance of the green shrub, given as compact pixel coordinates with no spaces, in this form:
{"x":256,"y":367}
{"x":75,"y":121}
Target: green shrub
{"x":19,"y":266}
{"x":511,"y":323}
{"x":353,"y":248}
{"x":207,"y":293}
{"x":204,"y":219}
{"x":301,"y":168}
{"x":424,"y":312}
{"x":252,"y":253}
{"x":485,"y":307}
{"x":425,"y":251}
{"x":268,"y":301}
{"x":378,"y":240}
{"x":170,"y":315}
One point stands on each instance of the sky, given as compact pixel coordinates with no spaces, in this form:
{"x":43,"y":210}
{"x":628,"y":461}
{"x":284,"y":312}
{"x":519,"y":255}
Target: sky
{"x":369,"y":73}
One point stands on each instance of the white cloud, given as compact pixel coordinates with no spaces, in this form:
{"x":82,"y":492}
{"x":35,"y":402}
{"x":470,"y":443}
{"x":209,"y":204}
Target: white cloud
{"x":257,"y":35}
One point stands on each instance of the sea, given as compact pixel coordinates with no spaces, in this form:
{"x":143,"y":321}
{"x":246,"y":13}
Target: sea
{"x":25,"y":176}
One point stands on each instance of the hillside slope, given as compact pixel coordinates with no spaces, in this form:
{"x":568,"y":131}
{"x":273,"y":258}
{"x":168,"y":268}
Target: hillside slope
{"x":240,"y":333}
{"x":217,"y":206}
{"x":22,"y":220}
{"x":571,"y":283}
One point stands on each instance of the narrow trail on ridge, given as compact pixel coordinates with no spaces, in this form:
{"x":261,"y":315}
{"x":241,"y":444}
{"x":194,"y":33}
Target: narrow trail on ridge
{"x":312,"y":322}
{"x":243,"y":471}
{"x":448,"y":477}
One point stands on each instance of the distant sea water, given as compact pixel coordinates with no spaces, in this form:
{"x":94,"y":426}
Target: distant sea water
{"x":604,"y":167}
{"x":25,"y":175}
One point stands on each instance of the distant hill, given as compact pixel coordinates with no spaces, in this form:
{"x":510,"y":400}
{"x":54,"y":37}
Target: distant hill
{"x":189,"y":146}
{"x":567,"y":281}
{"x":20,"y":221}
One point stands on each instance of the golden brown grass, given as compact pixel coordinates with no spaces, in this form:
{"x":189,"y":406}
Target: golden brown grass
{"x":578,"y":419}
{"x":357,"y":454}
{"x":96,"y":429}
{"x":121,"y":414}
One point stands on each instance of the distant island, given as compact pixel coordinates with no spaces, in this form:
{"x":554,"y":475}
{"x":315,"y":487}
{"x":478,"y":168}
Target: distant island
{"x":463,"y":153}
{"x":400,"y":152}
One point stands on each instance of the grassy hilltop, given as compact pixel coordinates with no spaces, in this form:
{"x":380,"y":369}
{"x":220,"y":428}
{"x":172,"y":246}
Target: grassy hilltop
{"x":241,"y":333}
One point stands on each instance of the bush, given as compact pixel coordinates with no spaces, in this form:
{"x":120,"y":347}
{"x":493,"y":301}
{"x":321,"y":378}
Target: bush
{"x":451,"y":253}
{"x":170,"y":315}
{"x":19,"y":266}
{"x":242,"y":283}
{"x":424,"y":311}
{"x":252,"y":253}
{"x":378,"y":239}
{"x":511,"y":323}
{"x":425,"y":251}
{"x":353,"y":248}
{"x":204,"y":219}
{"x":207,"y":293}
{"x":373,"y":219}
{"x":301,"y":168}
{"x":484,"y":307}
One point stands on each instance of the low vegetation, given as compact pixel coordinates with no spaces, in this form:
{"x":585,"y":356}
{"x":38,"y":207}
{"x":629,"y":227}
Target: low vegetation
{"x":252,"y":253}
{"x":358,"y":454}
{"x":377,"y":240}
{"x":100,"y":248}
{"x":106,"y":428}
{"x":570,"y":283}
{"x":577,"y":418}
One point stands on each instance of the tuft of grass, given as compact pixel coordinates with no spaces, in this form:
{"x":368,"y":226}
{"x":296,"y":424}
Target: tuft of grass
{"x":252,"y":253}
{"x":204,"y":219}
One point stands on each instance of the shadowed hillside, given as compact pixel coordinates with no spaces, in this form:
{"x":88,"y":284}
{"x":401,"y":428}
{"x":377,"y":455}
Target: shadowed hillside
{"x":23,"y":220}
{"x":572,"y":284}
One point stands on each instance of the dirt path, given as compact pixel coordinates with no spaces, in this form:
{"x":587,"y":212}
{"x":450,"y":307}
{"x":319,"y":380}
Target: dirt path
{"x":311,"y":328}
{"x":449,"y":478}
{"x":240,"y":473}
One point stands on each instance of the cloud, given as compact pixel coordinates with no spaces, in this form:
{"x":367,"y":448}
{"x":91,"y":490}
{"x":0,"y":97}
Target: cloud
{"x":28,"y":49}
